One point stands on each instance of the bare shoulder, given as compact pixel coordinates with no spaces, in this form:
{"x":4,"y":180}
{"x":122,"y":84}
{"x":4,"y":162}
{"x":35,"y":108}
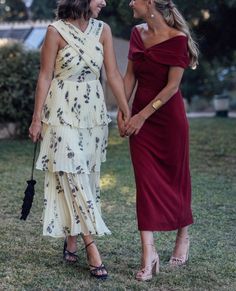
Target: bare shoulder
{"x":52,"y":30}
{"x":53,"y":33}
{"x":141,"y":27}
{"x":106,"y":28}
{"x":175,"y":32}
{"x":106,"y":33}
{"x":52,"y":39}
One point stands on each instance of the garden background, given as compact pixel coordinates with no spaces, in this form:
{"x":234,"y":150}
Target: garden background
{"x":29,"y":261}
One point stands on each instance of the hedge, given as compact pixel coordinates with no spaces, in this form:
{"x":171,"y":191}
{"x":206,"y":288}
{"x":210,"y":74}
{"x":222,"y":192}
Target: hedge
{"x":19,"y":70}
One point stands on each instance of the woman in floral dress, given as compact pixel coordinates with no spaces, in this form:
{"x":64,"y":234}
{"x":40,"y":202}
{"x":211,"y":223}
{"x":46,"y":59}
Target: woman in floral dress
{"x":71,"y":118}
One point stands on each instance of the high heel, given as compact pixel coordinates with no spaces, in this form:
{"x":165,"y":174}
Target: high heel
{"x":182,"y":260}
{"x":67,"y":255}
{"x":147,"y":272}
{"x":95,"y":270}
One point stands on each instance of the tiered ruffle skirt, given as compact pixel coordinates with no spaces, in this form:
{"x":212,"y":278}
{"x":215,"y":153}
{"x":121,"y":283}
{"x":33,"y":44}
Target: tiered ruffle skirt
{"x":74,"y":142}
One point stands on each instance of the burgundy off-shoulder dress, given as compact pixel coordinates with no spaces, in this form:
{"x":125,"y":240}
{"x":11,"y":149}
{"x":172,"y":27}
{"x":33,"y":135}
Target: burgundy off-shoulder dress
{"x":160,"y":151}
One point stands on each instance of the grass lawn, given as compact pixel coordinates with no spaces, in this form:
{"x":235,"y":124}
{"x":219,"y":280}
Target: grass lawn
{"x":29,"y":261}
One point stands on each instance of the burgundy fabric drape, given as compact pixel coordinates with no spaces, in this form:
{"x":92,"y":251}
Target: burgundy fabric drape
{"x":160,"y":152}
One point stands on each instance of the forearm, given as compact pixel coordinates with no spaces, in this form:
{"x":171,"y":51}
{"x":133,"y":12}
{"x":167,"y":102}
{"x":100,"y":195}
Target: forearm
{"x":164,"y":96}
{"x":40,"y":96}
{"x":117,"y":86}
{"x":129,"y":84}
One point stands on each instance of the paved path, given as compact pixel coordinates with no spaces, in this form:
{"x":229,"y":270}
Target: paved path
{"x":208,"y":114}
{"x":189,"y":115}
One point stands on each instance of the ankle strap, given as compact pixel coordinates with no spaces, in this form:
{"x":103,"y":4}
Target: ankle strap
{"x":89,"y":244}
{"x":182,"y":237}
{"x":151,"y":245}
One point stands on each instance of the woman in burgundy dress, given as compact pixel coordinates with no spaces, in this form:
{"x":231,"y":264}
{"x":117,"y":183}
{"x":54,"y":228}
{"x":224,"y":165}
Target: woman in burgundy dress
{"x":160,"y":50}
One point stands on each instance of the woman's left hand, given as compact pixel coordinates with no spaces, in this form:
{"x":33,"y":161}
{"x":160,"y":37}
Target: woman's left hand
{"x":135,"y":124}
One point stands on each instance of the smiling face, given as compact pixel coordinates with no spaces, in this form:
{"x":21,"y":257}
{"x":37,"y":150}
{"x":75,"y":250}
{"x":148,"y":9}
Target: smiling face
{"x":96,"y":7}
{"x":140,"y":8}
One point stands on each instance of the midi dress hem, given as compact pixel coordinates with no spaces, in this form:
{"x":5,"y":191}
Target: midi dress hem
{"x":77,"y":234}
{"x":166,"y":227}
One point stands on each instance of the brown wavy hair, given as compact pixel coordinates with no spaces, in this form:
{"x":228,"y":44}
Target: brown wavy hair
{"x":73,"y":9}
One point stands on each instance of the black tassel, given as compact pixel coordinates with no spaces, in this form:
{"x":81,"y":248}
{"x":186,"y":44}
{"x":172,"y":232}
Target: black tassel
{"x":29,"y":191}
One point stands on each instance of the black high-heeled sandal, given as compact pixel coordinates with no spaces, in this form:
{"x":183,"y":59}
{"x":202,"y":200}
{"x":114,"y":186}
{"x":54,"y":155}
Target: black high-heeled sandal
{"x":67,"y":254}
{"x":94,"y":270}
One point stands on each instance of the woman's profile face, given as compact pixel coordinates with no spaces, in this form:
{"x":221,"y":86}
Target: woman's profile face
{"x":96,"y":7}
{"x":139,"y":8}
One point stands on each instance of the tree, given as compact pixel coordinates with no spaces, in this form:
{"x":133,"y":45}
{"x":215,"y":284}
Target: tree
{"x":216,"y":34}
{"x":119,"y":16}
{"x":43,"y":9}
{"x":13,"y":10}
{"x":212,"y":22}
{"x":208,"y":19}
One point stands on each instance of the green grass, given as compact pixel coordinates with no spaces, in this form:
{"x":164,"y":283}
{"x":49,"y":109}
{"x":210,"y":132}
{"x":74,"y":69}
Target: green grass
{"x":29,"y":261}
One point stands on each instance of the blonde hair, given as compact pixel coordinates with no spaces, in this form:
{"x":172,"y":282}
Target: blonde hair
{"x":175,"y":19}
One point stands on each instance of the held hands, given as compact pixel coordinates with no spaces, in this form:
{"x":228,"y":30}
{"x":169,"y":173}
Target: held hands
{"x":35,"y":130}
{"x":122,"y":121}
{"x":132,"y":126}
{"x":135,"y":124}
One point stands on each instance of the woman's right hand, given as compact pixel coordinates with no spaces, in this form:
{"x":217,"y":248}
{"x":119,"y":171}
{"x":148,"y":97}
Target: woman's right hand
{"x":121,"y":123}
{"x":35,"y":130}
{"x":126,"y":114}
{"x":122,"y":120}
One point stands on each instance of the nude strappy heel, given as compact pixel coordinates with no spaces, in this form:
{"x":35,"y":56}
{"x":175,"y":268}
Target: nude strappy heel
{"x":180,"y":261}
{"x":147,"y":272}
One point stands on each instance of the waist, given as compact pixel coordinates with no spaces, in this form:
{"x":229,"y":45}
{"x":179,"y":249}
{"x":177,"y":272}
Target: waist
{"x":78,"y":79}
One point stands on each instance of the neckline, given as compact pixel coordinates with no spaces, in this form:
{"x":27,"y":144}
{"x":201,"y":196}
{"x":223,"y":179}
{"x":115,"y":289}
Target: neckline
{"x":159,"y":43}
{"x":77,"y":28}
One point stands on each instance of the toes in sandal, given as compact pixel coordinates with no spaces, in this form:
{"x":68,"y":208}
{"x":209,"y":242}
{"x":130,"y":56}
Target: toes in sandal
{"x":97,"y":271}
{"x":70,"y":257}
{"x":94,"y":271}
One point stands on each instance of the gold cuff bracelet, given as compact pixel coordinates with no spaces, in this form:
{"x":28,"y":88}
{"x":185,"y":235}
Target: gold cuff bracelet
{"x":157,"y":104}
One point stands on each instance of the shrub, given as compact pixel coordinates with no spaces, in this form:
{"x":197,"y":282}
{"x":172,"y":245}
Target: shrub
{"x":18,"y":75}
{"x":208,"y":80}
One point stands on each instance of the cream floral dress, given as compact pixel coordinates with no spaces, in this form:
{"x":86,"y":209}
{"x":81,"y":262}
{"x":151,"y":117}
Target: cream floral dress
{"x":75,"y":133}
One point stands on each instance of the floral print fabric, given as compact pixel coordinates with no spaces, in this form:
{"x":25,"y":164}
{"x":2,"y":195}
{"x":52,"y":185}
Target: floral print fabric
{"x":74,"y":135}
{"x":72,"y":205}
